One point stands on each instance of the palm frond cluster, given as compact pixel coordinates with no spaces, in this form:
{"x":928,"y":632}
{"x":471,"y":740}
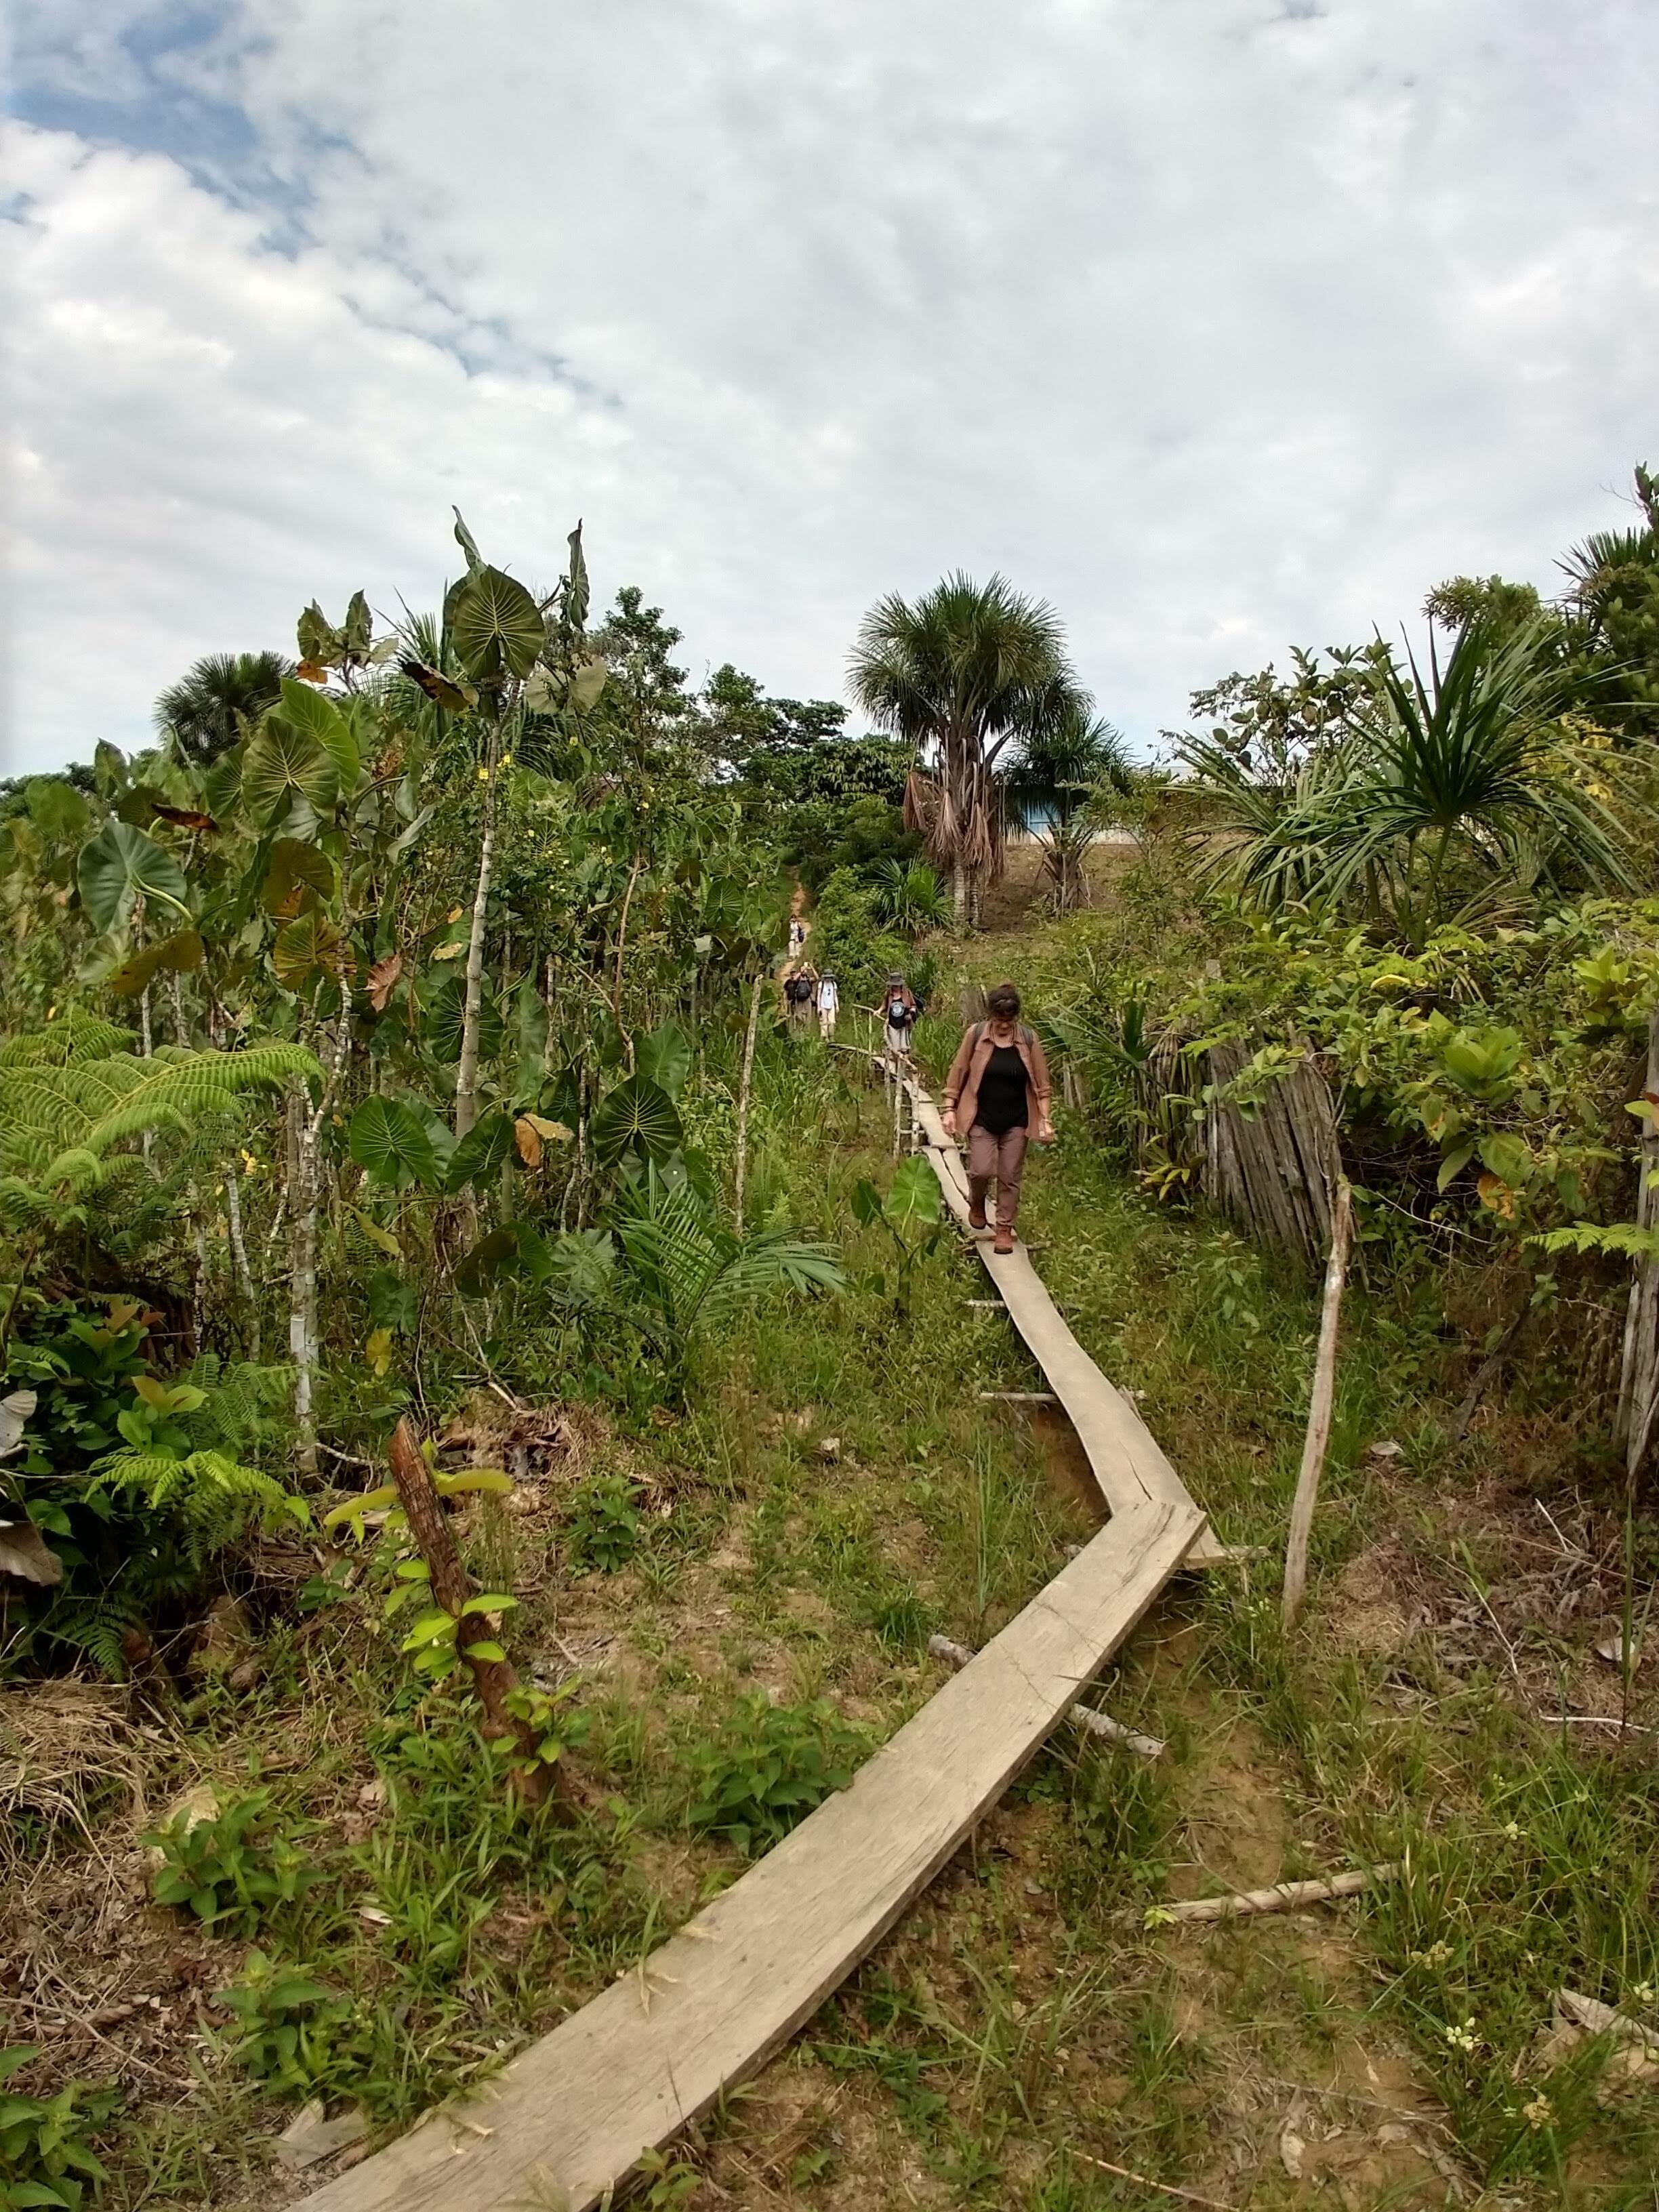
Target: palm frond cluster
{"x":1439,"y":791}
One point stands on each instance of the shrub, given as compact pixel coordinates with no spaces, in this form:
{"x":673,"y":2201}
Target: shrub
{"x":45,"y":2159}
{"x":605,"y":1526}
{"x":224,"y":1870}
{"x":769,"y":1767}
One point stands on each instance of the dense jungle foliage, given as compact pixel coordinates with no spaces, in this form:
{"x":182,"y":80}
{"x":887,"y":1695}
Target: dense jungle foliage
{"x":398,"y":1038}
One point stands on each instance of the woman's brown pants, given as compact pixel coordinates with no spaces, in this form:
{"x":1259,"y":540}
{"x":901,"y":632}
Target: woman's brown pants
{"x":1000,"y":1157}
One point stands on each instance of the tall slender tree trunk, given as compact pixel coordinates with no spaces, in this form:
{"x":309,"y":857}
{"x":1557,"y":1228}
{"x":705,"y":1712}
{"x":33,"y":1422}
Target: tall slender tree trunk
{"x":959,"y":890}
{"x":302,"y":1275}
{"x":466,"y":1075}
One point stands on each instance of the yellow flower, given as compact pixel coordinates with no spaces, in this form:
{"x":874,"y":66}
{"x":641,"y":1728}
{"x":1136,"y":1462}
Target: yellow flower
{"x":1539,"y":2113}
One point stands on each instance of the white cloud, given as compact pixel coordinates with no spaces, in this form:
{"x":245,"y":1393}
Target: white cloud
{"x":1225,"y":325}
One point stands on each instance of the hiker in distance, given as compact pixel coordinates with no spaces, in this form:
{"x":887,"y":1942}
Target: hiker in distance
{"x":997,"y":1093}
{"x":829,"y":1006}
{"x":899,"y":1012}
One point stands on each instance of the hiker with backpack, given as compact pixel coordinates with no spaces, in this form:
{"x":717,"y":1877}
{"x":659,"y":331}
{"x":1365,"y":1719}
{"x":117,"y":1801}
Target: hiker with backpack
{"x":997,"y":1094}
{"x":899,"y":1014}
{"x":799,"y":989}
{"x":829,"y":1006}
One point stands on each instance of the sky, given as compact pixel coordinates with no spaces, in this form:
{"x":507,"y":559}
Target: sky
{"x":1223,"y":325}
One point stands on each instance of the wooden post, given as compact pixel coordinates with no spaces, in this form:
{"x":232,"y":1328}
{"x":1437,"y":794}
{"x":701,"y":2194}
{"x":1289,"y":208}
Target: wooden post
{"x":494,"y":1679}
{"x":1319,"y":1410}
{"x":742,"y":1165}
{"x":1638,"y":1375}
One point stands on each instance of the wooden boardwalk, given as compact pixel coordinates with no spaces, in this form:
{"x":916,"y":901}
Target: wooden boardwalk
{"x":565,"y":2123}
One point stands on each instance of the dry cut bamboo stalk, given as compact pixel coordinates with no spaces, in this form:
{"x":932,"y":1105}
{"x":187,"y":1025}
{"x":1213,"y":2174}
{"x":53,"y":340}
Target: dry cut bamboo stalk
{"x":741,"y":1168}
{"x":1283,"y":1897}
{"x":1109,"y":1731}
{"x":1319,"y":1408}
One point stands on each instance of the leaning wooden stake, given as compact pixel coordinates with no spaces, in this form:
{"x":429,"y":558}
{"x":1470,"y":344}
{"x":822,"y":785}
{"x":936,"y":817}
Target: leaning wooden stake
{"x":494,"y":1679}
{"x":1319,"y":1411}
{"x":742,"y":1167}
{"x":1638,"y":1376}
{"x":1283,"y":1897}
{"x":1111,"y":1731}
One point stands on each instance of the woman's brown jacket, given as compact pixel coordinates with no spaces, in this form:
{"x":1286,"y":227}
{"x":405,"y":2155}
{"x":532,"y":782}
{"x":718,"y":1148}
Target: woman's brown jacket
{"x":962,"y":1084}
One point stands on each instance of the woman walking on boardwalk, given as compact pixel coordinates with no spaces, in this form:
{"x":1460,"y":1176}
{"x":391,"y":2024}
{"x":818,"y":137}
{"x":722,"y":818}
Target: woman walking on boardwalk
{"x":997,"y":1093}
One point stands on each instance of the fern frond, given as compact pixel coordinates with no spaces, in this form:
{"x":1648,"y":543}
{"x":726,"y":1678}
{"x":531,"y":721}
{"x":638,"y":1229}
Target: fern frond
{"x":92,"y":1106}
{"x":73,"y":1035}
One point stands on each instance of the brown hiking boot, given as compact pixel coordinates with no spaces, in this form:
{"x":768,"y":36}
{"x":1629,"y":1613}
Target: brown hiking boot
{"x":977,"y":1216}
{"x":1005,"y":1243}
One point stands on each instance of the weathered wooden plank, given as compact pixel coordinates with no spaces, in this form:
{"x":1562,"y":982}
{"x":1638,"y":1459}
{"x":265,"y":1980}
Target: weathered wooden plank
{"x":1127,"y":1463}
{"x":569,"y":2117}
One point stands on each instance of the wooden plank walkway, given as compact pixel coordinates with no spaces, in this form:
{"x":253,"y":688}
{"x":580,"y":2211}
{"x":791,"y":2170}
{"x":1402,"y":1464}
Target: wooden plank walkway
{"x":1128,"y":1462}
{"x":568,"y":2119}
{"x":566,"y":2123}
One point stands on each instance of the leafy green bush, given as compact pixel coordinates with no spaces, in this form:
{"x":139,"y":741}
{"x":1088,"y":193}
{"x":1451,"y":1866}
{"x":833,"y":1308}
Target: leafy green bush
{"x":605,"y":1525}
{"x":287,"y":2024}
{"x":45,"y":2159}
{"x":225,"y":1870}
{"x":769,"y":1767}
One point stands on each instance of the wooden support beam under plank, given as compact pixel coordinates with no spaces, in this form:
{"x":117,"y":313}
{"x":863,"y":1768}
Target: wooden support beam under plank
{"x":567,"y":2120}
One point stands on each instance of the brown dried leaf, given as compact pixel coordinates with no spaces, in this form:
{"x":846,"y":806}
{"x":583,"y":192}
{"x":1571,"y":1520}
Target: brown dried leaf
{"x":383,"y":980}
{"x":528,"y":1139}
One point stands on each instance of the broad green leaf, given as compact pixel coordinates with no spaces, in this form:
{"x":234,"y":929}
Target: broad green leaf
{"x":446,"y":1017}
{"x":637,"y":1113}
{"x":488,"y":1479}
{"x":575,"y":608}
{"x":301,"y":878}
{"x":388,"y":1139}
{"x":489,"y":1602}
{"x":664,"y":1057}
{"x":56,"y":807}
{"x":915,"y":1196}
{"x":282,"y":763}
{"x":866,"y":1203}
{"x":382,"y":1239}
{"x":179,"y":954}
{"x":120,"y":865}
{"x":357,"y":631}
{"x":1454,"y":1164}
{"x":1509,"y":1159}
{"x":480,"y":1154}
{"x":495,"y":625}
{"x":485,"y":1648}
{"x":305,"y":948}
{"x":318,"y":641}
{"x":316,"y":716}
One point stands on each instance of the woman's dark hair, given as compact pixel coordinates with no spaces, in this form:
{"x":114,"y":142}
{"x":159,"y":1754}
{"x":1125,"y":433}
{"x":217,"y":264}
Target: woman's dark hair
{"x":1004,"y":1001}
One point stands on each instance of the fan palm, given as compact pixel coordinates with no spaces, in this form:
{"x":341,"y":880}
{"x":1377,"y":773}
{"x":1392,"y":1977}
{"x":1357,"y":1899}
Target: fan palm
{"x":1436,"y":778}
{"x":956,"y":673}
{"x":1062,"y":765}
{"x":208,"y":709}
{"x":908,"y":896}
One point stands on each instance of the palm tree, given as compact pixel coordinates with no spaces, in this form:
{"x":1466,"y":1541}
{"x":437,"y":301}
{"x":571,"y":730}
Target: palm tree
{"x":1056,"y":780}
{"x":957,"y":674}
{"x":1439,"y":786}
{"x":208,"y":709}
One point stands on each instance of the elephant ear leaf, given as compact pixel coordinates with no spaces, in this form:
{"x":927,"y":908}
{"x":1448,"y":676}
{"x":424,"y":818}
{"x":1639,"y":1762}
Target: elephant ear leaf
{"x":320,"y":644}
{"x":120,"y":865}
{"x":300,"y":879}
{"x":358,"y":634}
{"x":181,"y":952}
{"x":282,"y":763}
{"x":665,"y":1057}
{"x":481,"y":1153}
{"x":575,"y":584}
{"x":467,"y":543}
{"x":636,"y":1115}
{"x":318,"y":716}
{"x":307,"y":947}
{"x":495,"y":625}
{"x":390,"y":1142}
